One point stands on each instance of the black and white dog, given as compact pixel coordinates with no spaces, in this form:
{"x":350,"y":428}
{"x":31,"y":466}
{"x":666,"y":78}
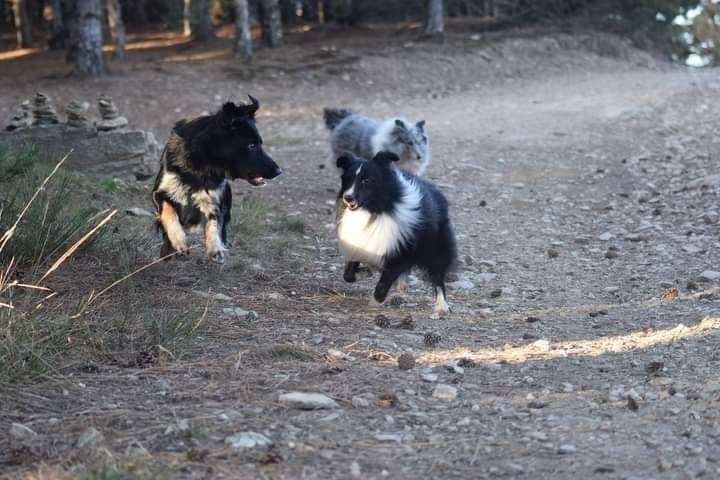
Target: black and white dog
{"x":193,"y":185}
{"x":393,"y":221}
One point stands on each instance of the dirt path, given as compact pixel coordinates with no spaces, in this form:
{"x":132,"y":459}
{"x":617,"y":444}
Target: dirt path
{"x":583,"y":343}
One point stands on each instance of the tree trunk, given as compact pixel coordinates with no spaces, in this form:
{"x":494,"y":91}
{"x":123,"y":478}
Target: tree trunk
{"x":117,"y":28}
{"x":197,"y":20}
{"x":272,"y":24}
{"x":23,"y":27}
{"x":489,"y":8}
{"x":435,"y":18}
{"x":57,"y":27}
{"x":243,"y":34}
{"x":87,"y":35}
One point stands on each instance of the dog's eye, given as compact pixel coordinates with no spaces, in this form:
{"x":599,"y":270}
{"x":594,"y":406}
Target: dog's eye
{"x":252,"y":146}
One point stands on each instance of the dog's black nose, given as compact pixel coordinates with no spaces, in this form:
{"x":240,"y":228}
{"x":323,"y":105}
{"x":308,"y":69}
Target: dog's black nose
{"x":350,"y":202}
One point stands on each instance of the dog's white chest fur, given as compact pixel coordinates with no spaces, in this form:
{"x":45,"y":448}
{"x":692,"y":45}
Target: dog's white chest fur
{"x":370,"y":238}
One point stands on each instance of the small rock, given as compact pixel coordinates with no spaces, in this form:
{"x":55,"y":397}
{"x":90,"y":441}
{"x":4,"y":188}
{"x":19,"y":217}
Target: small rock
{"x":21,"y":432}
{"x":606,"y":236}
{"x":248,"y":440}
{"x":359,"y":402}
{"x":708,"y":276}
{"x":566,"y":449}
{"x":462,"y":285}
{"x":711,"y":218}
{"x":612,"y":253}
{"x":496,"y":293}
{"x":429,"y":377}
{"x":307,"y":401}
{"x":552,"y":253}
{"x":406,"y":361}
{"x":389,"y":437}
{"x":531,"y":319}
{"x":235,"y":312}
{"x":89,"y":438}
{"x":635,"y":237}
{"x":445,"y":392}
{"x":251,"y":316}
{"x":355,"y":469}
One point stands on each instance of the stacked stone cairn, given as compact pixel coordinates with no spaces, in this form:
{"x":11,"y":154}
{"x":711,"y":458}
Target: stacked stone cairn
{"x":22,"y":117}
{"x":76,"y":116}
{"x":43,"y":111}
{"x":110,"y":116}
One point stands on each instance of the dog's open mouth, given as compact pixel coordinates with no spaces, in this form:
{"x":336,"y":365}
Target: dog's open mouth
{"x":352,"y":205}
{"x":257,"y":181}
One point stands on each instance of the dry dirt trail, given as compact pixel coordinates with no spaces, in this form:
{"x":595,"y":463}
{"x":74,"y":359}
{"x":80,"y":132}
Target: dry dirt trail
{"x":584,"y":337}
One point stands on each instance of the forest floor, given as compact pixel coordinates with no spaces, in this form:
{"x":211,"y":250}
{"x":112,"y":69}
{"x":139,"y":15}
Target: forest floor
{"x":583,"y":341}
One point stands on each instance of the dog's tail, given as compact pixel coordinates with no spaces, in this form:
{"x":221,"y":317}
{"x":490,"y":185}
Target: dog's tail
{"x":333,"y":116}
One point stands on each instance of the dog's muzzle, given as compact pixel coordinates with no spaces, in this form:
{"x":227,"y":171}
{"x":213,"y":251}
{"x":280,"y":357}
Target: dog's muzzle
{"x":350,"y":202}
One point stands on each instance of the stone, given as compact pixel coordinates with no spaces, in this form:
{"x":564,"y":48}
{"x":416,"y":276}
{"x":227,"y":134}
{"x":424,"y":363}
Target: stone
{"x":22,"y":432}
{"x":117,"y":154}
{"x":566,"y":449}
{"x":307,"y":401}
{"x":110,"y":118}
{"x":708,"y":276}
{"x":43,"y":111}
{"x":248,"y":440}
{"x":22,"y":118}
{"x":445,"y":392}
{"x":462,"y":285}
{"x":429,"y":377}
{"x":359,"y":402}
{"x":235,"y":312}
{"x":76,"y":116}
{"x":711,"y":218}
{"x":606,"y":236}
{"x":89,"y":438}
{"x":709,"y":181}
{"x":392,"y":437}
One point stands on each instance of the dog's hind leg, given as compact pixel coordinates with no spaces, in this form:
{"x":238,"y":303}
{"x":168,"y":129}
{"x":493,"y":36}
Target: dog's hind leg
{"x":175,"y":239}
{"x":349,"y":274}
{"x":438,"y":282}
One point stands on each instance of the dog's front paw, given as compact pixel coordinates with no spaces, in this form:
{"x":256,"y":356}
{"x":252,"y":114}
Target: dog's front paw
{"x":441,"y":307}
{"x":168,"y":250}
{"x":217,"y":256}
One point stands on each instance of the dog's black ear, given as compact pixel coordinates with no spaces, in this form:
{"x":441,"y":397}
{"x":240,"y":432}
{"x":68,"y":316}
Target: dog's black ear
{"x":400,"y":124}
{"x":420,"y":125}
{"x":385,"y":158}
{"x":253,"y":107}
{"x":345,"y":160}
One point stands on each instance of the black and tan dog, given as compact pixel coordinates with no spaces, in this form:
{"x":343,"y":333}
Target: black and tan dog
{"x":197,"y":164}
